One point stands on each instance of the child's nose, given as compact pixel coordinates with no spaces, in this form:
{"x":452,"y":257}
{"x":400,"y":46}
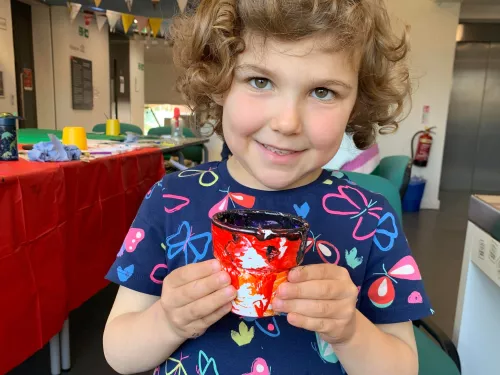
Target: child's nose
{"x":288,"y":119}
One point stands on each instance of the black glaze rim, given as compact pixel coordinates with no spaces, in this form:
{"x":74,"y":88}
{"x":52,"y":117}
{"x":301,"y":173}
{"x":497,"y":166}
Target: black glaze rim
{"x":301,"y":230}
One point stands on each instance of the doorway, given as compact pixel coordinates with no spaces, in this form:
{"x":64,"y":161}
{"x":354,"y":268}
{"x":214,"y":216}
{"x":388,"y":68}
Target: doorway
{"x":24,"y":63}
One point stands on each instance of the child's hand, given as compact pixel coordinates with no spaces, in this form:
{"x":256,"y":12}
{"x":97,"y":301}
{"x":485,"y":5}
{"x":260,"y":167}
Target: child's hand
{"x":196,"y":296}
{"x":320,"y":298}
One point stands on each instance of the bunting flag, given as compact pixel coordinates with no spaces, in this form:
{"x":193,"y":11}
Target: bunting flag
{"x":73,"y":9}
{"x":101,"y":20}
{"x":113,"y":18}
{"x":142,"y":23}
{"x":182,"y":5}
{"x":129,"y":4}
{"x":127,"y":21}
{"x":97,"y":3}
{"x":155,"y":24}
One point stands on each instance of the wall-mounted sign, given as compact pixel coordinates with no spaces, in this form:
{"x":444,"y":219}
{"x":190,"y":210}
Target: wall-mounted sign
{"x":28,"y":79}
{"x":81,"y":84}
{"x":80,"y":48}
{"x":83,"y":32}
{"x":141,"y":66}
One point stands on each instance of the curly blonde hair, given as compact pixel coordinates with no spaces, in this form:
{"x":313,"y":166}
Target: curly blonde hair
{"x":207,"y":41}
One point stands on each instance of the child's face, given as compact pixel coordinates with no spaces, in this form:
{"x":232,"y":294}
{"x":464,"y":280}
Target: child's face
{"x":286,"y":111}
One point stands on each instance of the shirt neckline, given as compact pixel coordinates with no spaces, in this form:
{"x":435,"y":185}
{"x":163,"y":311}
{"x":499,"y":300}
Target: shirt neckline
{"x":236,"y":186}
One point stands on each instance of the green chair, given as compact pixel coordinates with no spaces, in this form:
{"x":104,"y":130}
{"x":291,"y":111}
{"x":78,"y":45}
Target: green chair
{"x":396,"y":169}
{"x":194,"y":153}
{"x":437,"y":355}
{"x":124,"y":128}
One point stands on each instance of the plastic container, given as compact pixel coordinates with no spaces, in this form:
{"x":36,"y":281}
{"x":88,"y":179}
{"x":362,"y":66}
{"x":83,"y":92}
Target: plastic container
{"x":413,"y":197}
{"x":112,"y":127}
{"x":8,"y":137}
{"x":76,"y":136}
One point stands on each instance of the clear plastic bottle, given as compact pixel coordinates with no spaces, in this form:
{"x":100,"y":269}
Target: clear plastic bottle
{"x":177,"y":133}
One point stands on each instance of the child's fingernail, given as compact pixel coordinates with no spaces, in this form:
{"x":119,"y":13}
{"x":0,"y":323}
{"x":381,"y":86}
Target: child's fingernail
{"x":295,"y":272}
{"x":282,"y":290}
{"x":229,"y":291}
{"x":224,"y":279}
{"x":216,"y":265}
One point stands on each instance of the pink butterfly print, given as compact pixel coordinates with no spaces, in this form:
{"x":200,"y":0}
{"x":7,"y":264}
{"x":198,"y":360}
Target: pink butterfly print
{"x":326,"y":251}
{"x":239,"y":199}
{"x":259,"y":367}
{"x":358,"y":207}
{"x":183,"y":202}
{"x":134,"y":236}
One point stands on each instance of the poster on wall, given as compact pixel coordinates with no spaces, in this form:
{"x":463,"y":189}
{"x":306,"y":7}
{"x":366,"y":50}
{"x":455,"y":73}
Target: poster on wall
{"x":28,"y":79}
{"x":82,"y":91}
{"x":2,"y":92}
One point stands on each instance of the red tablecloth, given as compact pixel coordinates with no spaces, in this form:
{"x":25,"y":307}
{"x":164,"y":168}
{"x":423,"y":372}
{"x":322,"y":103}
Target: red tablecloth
{"x":61,"y":226}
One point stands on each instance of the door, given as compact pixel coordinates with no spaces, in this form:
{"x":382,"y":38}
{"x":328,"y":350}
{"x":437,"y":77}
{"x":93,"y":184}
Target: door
{"x":25,"y":72}
{"x":472,"y":149}
{"x":464,"y":117}
{"x":486,"y":177}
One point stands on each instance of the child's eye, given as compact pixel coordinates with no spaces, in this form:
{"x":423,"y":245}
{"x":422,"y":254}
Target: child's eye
{"x":261,"y":83}
{"x":323,"y":94}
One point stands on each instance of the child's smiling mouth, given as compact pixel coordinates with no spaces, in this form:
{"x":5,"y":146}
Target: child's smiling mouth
{"x":279,"y":151}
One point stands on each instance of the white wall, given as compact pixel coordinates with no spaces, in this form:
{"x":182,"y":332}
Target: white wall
{"x":160,"y":84}
{"x":44,"y":77}
{"x":137,"y":94}
{"x":95,"y":48}
{"x":433,"y":33}
{"x":7,"y":65}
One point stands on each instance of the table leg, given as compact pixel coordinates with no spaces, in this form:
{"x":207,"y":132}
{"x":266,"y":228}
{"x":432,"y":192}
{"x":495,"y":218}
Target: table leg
{"x":65,"y":347}
{"x":180,"y":155}
{"x":55,"y":355}
{"x":205,"y":154}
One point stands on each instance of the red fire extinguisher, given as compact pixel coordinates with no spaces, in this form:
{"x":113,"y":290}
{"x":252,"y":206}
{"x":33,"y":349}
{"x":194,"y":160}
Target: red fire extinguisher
{"x":421,"y":157}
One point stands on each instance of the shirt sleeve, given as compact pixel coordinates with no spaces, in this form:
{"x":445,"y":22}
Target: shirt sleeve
{"x":140,"y":264}
{"x":392,"y":289}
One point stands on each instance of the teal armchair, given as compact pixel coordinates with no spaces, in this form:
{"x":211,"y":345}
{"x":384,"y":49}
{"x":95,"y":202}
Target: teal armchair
{"x":396,"y":169}
{"x":437,"y":355}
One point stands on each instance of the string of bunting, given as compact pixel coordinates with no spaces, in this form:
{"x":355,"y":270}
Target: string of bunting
{"x":144,"y":24}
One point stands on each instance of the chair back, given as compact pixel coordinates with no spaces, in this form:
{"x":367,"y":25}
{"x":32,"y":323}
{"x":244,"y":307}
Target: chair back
{"x":381,"y":186}
{"x":396,"y":169}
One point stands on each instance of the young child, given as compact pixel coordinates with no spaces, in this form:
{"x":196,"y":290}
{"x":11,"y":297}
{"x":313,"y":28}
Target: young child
{"x":282,"y":80}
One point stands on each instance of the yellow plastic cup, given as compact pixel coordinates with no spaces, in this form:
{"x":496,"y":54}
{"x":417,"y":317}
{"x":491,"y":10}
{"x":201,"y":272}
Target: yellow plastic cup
{"x":75,"y":135}
{"x":112,"y":127}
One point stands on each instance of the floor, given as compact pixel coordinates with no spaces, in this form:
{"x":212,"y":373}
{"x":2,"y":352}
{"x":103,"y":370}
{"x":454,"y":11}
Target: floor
{"x":436,"y":237}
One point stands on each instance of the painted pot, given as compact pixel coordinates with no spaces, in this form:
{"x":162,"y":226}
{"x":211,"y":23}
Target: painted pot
{"x":258,"y":249}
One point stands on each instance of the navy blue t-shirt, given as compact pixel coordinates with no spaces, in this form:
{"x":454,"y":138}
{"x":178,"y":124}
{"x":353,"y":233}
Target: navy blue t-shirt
{"x":350,"y":226}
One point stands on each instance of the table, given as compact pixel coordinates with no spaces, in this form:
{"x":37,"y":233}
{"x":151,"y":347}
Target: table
{"x":42,"y":135}
{"x":61,"y":227}
{"x":38,"y":135}
{"x":477,"y":327}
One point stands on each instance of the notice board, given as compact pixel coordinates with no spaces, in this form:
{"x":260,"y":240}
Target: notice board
{"x":82,"y":91}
